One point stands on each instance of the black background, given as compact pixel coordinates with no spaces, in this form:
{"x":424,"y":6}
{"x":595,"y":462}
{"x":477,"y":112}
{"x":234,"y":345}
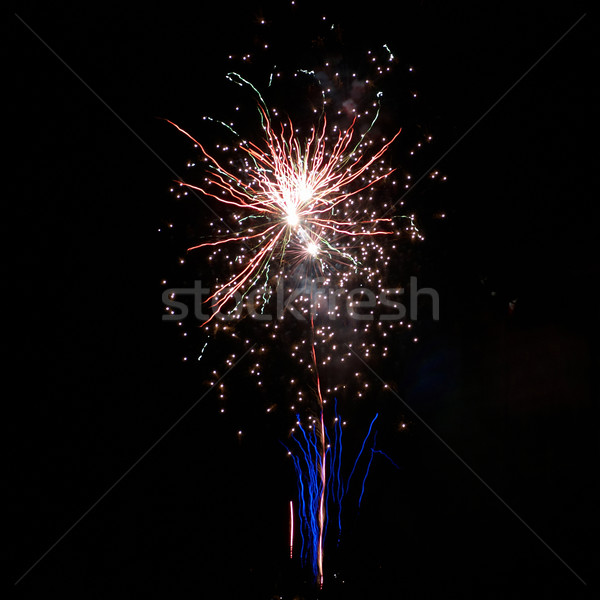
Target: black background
{"x":99,"y":376}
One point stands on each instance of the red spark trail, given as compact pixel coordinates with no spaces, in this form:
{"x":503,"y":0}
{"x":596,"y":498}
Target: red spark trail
{"x":291,"y":529}
{"x":323,"y":456}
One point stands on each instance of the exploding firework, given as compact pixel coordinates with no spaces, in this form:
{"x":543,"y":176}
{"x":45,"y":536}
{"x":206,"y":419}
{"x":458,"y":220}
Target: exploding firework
{"x":299,"y":198}
{"x":309,"y":220}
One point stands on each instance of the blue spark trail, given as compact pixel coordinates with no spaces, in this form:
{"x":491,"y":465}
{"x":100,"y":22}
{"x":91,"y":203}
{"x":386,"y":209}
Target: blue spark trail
{"x":306,"y":459}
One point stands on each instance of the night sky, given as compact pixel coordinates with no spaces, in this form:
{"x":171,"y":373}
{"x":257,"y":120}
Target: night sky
{"x":99,"y":377}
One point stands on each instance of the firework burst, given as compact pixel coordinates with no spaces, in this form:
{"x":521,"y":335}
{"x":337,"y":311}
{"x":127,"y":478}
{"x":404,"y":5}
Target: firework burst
{"x":307,"y":211}
{"x":298,"y":197}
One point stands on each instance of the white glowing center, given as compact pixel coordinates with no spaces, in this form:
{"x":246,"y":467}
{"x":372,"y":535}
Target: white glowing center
{"x":312,"y":249}
{"x":292,"y":218}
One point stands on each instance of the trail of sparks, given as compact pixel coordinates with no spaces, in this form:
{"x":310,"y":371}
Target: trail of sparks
{"x":307,"y":466}
{"x":323,"y":470}
{"x":291,"y":529}
{"x":316,"y":494}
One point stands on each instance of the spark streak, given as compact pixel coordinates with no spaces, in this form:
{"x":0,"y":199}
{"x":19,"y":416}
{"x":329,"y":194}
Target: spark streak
{"x":291,"y":529}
